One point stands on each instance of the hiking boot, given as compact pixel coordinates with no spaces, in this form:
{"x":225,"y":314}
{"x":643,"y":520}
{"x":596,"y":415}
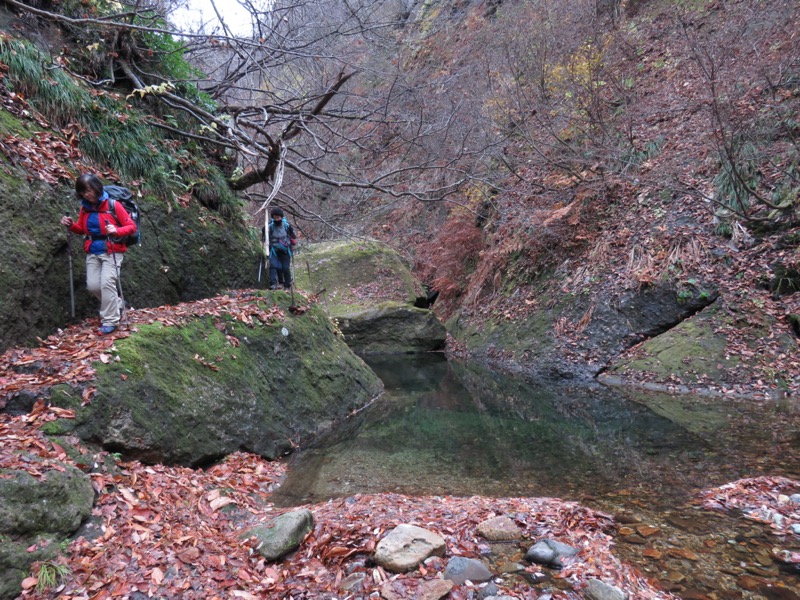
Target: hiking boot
{"x":106,"y":329}
{"x":273,"y":287}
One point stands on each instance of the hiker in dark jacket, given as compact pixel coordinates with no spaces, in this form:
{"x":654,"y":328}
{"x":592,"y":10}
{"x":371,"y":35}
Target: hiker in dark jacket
{"x":281,"y":243}
{"x":103,"y":254}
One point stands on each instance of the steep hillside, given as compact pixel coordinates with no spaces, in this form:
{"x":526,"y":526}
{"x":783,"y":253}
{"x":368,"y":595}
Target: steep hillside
{"x":195,"y":241}
{"x":650,"y":157}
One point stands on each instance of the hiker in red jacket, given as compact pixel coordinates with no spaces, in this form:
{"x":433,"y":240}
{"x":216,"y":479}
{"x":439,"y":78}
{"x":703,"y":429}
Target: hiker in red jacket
{"x":104,"y":254}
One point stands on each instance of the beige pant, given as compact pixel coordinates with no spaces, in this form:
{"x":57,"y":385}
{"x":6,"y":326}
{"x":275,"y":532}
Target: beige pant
{"x":101,"y":281}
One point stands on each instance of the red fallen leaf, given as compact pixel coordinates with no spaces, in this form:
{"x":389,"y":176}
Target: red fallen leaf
{"x":157,"y":576}
{"x":128,"y":495}
{"x":29,"y":582}
{"x":31,"y":548}
{"x":338,"y":551}
{"x":272,"y":574}
{"x":60,"y":453}
{"x":190,"y":555}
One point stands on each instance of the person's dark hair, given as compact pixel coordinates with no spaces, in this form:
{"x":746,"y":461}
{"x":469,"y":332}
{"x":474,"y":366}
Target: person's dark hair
{"x":86,"y":181}
{"x":276,"y":212}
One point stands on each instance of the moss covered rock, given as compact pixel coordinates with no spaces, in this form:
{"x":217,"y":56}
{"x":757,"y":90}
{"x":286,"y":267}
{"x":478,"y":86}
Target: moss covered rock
{"x":193,"y":393}
{"x":35,"y":514}
{"x":354,"y":274}
{"x":691,"y":350}
{"x":371,"y":291}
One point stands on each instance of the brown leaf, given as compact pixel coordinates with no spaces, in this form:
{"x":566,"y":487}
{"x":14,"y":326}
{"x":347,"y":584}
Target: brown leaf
{"x":157,"y":576}
{"x":190,"y":555}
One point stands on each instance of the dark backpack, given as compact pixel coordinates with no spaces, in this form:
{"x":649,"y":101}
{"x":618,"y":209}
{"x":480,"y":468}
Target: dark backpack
{"x":121,"y":194}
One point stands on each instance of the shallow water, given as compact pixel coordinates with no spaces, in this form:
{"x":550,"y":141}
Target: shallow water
{"x":451,"y":429}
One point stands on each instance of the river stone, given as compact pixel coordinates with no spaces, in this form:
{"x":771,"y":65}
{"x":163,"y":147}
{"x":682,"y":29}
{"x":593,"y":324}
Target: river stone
{"x":490,"y":590}
{"x":550,"y":553}
{"x":460,"y":569}
{"x":406,"y":546}
{"x":432,"y":589}
{"x":282,"y":534}
{"x":600,"y":590}
{"x":499,"y":529}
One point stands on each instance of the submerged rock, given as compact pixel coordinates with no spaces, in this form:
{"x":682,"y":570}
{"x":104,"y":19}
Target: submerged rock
{"x":460,"y":570}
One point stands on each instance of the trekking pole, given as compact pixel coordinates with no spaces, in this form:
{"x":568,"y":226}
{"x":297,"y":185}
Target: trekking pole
{"x":71,"y":282}
{"x":291,"y":282}
{"x":260,"y":264}
{"x":310,"y":284}
{"x":121,"y":295}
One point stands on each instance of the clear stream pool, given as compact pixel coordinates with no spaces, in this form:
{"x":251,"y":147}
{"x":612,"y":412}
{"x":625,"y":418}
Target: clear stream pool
{"x":451,"y":429}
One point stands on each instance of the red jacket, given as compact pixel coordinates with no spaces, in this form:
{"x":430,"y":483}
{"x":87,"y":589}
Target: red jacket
{"x":123,"y":222}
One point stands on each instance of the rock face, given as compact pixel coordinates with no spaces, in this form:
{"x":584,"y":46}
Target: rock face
{"x":392,"y":328}
{"x":609,"y":327}
{"x":194,"y":393}
{"x":186,"y":254}
{"x":35,"y":514}
{"x":368,"y":288}
{"x":406,"y":546}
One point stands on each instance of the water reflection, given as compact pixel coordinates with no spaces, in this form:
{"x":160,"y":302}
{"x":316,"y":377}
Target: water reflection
{"x":446,"y":428}
{"x":461,"y":430}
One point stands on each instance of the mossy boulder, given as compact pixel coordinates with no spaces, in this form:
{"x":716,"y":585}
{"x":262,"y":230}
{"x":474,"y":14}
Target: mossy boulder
{"x":35,"y":514}
{"x":193,"y":393}
{"x":697,"y":352}
{"x":349,"y":274}
{"x":186,"y":253}
{"x":371,"y":291}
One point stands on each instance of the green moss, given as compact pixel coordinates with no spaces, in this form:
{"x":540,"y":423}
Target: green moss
{"x":691,"y":413}
{"x":11,"y":125}
{"x":195,"y":392}
{"x":692,"y":350}
{"x":340,"y":267}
